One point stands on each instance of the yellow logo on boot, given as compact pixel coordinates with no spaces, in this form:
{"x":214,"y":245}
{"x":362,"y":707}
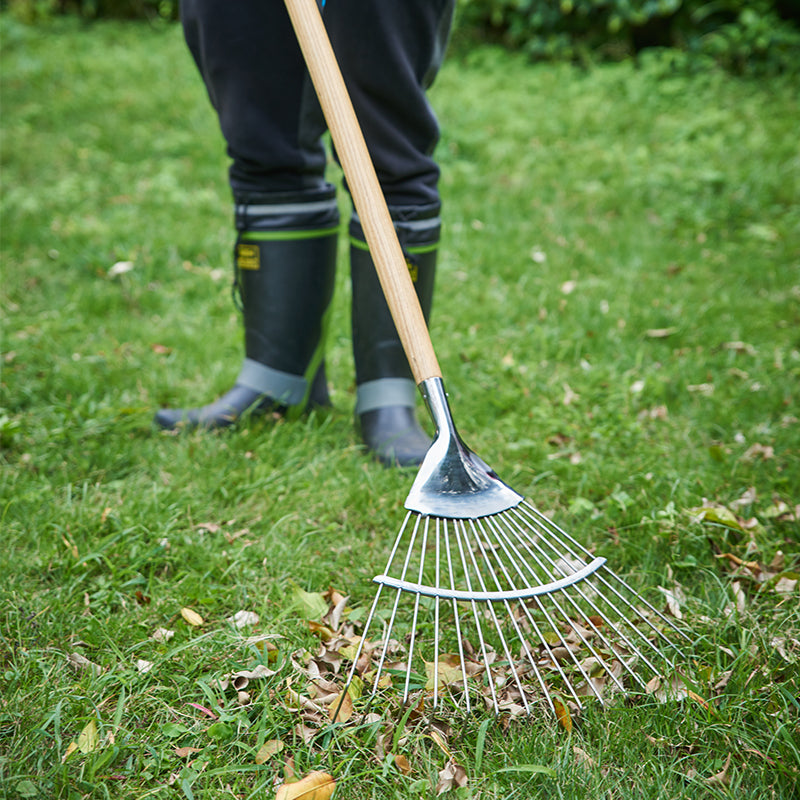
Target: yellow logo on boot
{"x":248,"y":256}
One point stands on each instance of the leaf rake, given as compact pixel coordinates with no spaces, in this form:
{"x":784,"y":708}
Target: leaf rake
{"x":515,"y":606}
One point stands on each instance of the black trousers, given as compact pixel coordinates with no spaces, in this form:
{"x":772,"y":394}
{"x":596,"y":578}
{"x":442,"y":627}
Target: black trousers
{"x":389,"y":52}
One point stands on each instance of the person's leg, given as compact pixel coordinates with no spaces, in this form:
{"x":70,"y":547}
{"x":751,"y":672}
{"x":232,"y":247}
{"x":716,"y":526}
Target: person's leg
{"x":389,"y":54}
{"x":286,"y":214}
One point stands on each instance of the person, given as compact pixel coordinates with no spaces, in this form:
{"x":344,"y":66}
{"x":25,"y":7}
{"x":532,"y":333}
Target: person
{"x":286,"y":212}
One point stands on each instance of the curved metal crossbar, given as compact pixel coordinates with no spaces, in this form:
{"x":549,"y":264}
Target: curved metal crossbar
{"x":492,"y":597}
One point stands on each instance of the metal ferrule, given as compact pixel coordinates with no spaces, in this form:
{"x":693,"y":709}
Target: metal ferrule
{"x":453,"y":482}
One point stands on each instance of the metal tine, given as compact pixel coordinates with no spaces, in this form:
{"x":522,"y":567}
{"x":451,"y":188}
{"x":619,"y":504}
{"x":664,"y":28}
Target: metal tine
{"x":605,"y":617}
{"x":584,"y":616}
{"x":456,"y":615}
{"x":478,"y":628}
{"x":560,"y":535}
{"x":594,"y":608}
{"x":540,"y":678}
{"x":420,"y":577}
{"x":490,"y":608}
{"x":619,"y":633}
{"x":436,"y":626}
{"x":503,"y":534}
{"x":568,"y":597}
{"x":495,"y":527}
{"x":553,"y":625}
{"x":374,"y":608}
{"x":388,"y":634}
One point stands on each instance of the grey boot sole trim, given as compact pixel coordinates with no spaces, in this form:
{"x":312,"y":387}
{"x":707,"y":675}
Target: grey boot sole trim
{"x":385,"y":392}
{"x":283,"y":387}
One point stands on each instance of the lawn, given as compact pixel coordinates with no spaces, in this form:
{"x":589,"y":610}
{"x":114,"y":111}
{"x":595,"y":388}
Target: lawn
{"x":617,"y":319}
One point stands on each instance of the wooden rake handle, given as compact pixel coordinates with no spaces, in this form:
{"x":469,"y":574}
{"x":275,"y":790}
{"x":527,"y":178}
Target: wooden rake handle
{"x":365,"y":189}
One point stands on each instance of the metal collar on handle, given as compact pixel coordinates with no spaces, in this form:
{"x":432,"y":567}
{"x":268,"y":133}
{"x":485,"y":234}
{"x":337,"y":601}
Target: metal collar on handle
{"x":453,"y":482}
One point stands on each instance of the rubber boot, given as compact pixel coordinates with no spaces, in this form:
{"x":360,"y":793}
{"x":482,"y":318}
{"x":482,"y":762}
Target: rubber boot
{"x":285,"y":281}
{"x":386,"y":391}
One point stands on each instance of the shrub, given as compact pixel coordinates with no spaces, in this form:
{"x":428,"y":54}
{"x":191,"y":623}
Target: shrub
{"x":741,"y":35}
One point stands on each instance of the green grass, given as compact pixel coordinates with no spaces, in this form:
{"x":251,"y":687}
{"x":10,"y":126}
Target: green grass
{"x":617,"y":318}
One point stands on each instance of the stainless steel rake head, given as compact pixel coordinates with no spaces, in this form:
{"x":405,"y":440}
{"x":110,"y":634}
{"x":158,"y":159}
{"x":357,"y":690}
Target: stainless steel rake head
{"x":514,"y":606}
{"x":487,"y":600}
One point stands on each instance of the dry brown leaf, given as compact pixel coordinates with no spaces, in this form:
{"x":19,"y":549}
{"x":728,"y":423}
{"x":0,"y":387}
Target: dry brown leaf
{"x":185,"y":752}
{"x":315,"y":786}
{"x":73,"y":746}
{"x":721,"y":778}
{"x":402,"y":764}
{"x":699,"y":700}
{"x":453,"y":775}
{"x":674,"y":598}
{"x":583,"y":758}
{"x":192,"y":617}
{"x":341,"y":708}
{"x":660,"y":333}
{"x":762,"y":451}
{"x":569,"y":395}
{"x":270,"y":748}
{"x":440,"y":742}
{"x":562,"y":714}
{"x":321,"y":630}
{"x":80,"y":663}
{"x":442,"y":674}
{"x":241,"y":680}
{"x":162,"y":635}
{"x":243,"y":619}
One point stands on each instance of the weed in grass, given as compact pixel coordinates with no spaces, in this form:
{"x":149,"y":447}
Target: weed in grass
{"x":617,"y":312}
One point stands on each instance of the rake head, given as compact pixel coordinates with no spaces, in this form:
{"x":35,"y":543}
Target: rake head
{"x":497,"y":604}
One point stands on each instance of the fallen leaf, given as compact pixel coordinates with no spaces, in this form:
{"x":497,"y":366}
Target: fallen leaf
{"x":453,"y":775}
{"x":144,"y":666}
{"x":243,"y":619}
{"x":321,"y":630}
{"x":162,"y":635}
{"x":315,"y":786}
{"x":660,"y":333}
{"x":562,"y":714}
{"x":192,"y":617}
{"x":311,"y":605}
{"x":89,"y":739}
{"x":721,"y":778}
{"x":740,"y":347}
{"x":73,"y":746}
{"x":270,"y":748}
{"x":185,"y":752}
{"x":81,"y":663}
{"x":718,"y":514}
{"x":699,"y":700}
{"x":763,"y":451}
{"x":341,"y":708}
{"x":583,"y":758}
{"x":441,"y":743}
{"x":568,"y":287}
{"x":569,"y":395}
{"x":202,"y":709}
{"x":675,"y":598}
{"x":209,"y":527}
{"x":402,"y":764}
{"x":444,"y":673}
{"x":119,"y":268}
